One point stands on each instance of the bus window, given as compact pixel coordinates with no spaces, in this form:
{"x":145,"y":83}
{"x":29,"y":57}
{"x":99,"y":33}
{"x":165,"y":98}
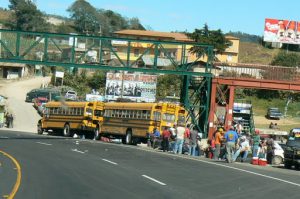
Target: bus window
{"x":98,"y":113}
{"x":156,"y":115}
{"x":181,"y":119}
{"x":89,"y":111}
{"x":168,"y":117}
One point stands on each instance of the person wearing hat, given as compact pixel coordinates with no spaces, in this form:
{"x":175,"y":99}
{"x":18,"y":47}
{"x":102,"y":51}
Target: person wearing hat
{"x":231,"y":138}
{"x":243,"y":147}
{"x":218,"y":138}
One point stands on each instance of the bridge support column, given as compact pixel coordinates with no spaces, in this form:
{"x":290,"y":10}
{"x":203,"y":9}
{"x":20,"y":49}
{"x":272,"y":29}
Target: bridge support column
{"x":212,"y":110}
{"x":229,"y":108}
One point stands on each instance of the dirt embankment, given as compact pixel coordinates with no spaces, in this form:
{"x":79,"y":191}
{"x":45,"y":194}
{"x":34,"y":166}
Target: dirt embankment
{"x":25,"y":116}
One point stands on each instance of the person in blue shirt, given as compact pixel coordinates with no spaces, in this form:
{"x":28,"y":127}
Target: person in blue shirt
{"x":231,"y":138}
{"x":156,"y":137}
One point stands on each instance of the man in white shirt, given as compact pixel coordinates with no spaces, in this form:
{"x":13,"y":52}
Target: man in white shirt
{"x":179,"y":139}
{"x":243,"y":147}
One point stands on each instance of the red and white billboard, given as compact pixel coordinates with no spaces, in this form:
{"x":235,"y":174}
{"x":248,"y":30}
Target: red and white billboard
{"x":283,"y":31}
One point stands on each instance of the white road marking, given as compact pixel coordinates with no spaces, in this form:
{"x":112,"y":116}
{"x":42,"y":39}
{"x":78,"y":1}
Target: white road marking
{"x":109,"y":161}
{"x":4,"y":137}
{"x":75,"y":150}
{"x":154,"y":180}
{"x":43,"y":143}
{"x":251,"y":172}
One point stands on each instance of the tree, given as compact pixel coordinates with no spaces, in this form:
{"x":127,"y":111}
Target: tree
{"x":286,"y":59}
{"x":84,"y":16}
{"x":210,"y":37}
{"x":26,"y":16}
{"x":134,"y":23}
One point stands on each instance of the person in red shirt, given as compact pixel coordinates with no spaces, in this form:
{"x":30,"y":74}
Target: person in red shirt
{"x":166,"y":134}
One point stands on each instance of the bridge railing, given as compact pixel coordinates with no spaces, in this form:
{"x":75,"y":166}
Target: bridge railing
{"x":111,"y":53}
{"x":256,"y":71}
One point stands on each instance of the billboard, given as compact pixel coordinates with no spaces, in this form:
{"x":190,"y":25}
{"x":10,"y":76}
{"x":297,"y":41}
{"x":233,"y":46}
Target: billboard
{"x":137,"y":87}
{"x":283,"y":31}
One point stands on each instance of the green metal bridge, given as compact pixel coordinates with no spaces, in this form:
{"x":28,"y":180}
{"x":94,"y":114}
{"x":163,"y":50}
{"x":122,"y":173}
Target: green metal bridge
{"x":118,"y":54}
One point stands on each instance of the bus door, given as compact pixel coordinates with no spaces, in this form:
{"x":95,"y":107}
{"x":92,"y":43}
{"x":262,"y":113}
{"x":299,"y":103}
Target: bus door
{"x":157,"y":120}
{"x":89,"y":116}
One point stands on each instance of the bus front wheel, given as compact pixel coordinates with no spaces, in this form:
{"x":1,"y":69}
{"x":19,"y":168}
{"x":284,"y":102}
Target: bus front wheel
{"x":128,"y":138}
{"x":66,"y":131}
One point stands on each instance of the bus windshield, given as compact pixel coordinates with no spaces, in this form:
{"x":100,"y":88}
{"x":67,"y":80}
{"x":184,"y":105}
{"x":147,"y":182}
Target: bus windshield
{"x":181,"y":120}
{"x":168,"y":117}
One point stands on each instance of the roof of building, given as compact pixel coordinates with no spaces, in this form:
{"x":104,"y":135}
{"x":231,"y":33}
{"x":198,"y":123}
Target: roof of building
{"x":147,"y":33}
{"x":166,"y":35}
{"x":8,"y":64}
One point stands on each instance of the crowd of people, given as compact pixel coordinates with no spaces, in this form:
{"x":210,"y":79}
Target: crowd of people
{"x":178,"y":139}
{"x":231,"y":145}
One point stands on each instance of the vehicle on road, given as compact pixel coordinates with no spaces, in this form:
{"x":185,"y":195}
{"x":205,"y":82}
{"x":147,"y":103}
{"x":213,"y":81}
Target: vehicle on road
{"x":134,"y":122}
{"x":71,"y":95}
{"x":274,"y":113}
{"x":66,"y":118}
{"x":39,"y":101}
{"x":278,"y":154}
{"x":292,"y":154}
{"x":47,"y":93}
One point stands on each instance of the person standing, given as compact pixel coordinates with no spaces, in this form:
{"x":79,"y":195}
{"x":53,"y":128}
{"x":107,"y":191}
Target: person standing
{"x":218,"y":139}
{"x":193,"y":141}
{"x":231,"y":138}
{"x":239,"y":128}
{"x":11,"y":121}
{"x":166,"y":137}
{"x":256,"y":142}
{"x":179,"y":139}
{"x":187,"y":136}
{"x":270,"y":149}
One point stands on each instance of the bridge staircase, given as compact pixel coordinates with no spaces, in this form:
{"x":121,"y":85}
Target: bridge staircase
{"x":243,"y":113}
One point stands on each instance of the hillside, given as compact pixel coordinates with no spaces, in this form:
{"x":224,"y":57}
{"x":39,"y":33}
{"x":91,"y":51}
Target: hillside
{"x":256,"y":53}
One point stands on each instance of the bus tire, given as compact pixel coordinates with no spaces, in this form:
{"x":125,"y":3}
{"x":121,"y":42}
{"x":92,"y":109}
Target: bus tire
{"x":66,"y":131}
{"x":128,"y":138}
{"x":39,"y":128}
{"x":97,"y":133}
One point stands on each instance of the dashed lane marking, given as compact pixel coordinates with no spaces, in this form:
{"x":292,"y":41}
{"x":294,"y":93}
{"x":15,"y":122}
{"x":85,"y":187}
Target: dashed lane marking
{"x":19,"y":176}
{"x":154,"y":180}
{"x":4,"y":137}
{"x":43,"y":143}
{"x":110,"y":161}
{"x":75,"y":150}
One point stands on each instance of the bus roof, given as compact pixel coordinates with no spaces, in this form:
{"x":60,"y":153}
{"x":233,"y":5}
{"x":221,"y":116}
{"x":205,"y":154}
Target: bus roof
{"x":129,"y":105}
{"x":136,"y":105}
{"x":71,"y":104}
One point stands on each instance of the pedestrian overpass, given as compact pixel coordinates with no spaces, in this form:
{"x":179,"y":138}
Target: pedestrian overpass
{"x":117,"y":54}
{"x":201,"y":91}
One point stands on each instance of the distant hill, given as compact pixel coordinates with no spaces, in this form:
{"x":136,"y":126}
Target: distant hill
{"x":245,"y":37}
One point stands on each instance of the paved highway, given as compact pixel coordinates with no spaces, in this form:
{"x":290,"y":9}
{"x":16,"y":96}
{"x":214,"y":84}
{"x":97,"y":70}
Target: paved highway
{"x":56,"y":167}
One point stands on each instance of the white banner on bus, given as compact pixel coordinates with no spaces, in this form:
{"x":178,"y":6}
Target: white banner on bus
{"x":137,"y":87}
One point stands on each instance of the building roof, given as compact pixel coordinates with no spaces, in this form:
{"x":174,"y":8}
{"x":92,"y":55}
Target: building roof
{"x":8,"y":64}
{"x":155,"y":34}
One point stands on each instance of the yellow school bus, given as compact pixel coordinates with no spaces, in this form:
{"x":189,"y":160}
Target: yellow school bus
{"x":72,"y":117}
{"x":132,"y":122}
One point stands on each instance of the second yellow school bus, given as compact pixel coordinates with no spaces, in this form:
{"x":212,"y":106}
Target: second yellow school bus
{"x":132,"y":122}
{"x":72,"y":117}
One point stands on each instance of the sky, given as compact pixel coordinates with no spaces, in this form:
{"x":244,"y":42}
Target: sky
{"x":247,"y":16}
